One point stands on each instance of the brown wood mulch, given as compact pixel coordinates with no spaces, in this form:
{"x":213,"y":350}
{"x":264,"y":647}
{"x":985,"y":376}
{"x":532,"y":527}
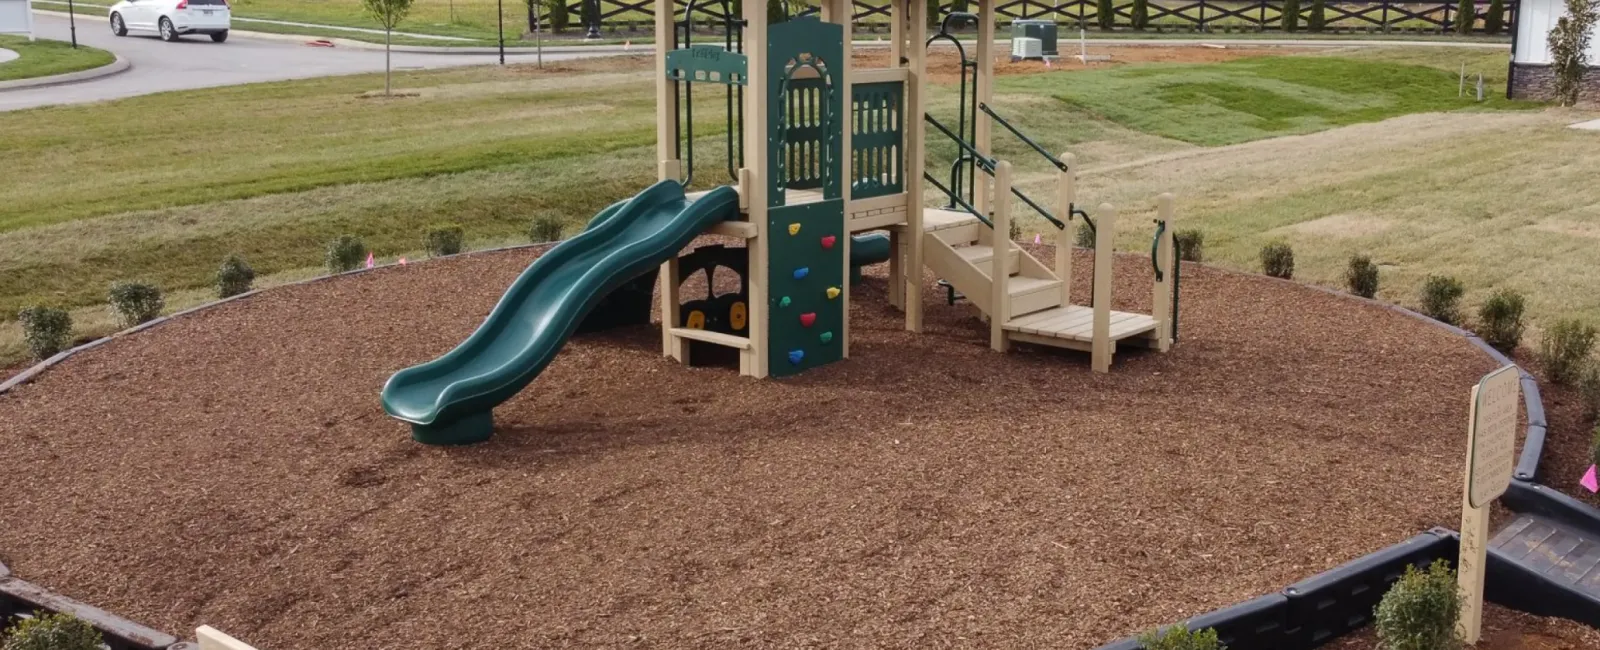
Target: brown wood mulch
{"x":234,"y":468}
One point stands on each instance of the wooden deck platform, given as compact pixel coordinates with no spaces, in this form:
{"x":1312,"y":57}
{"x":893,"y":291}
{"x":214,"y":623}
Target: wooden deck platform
{"x":1075,"y":323}
{"x":1568,"y":556}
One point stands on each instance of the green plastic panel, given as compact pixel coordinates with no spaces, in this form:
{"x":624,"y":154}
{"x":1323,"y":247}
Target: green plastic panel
{"x":877,"y":139}
{"x":803,"y":96}
{"x":805,"y":323}
{"x":708,"y":64}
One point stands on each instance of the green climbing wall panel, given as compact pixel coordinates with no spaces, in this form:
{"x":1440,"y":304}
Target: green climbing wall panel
{"x":806,"y":259}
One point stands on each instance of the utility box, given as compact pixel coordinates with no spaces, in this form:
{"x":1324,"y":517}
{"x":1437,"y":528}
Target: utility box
{"x":1044,"y":30}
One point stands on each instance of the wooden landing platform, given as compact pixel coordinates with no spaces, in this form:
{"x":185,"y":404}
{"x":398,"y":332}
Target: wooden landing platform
{"x":1075,"y":324}
{"x":1569,"y":557}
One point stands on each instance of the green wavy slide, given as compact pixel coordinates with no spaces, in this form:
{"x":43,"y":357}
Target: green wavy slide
{"x":449,"y":401}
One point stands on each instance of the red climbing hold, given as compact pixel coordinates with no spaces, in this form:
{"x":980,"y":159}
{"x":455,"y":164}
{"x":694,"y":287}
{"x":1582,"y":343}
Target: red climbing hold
{"x":808,"y":318}
{"x":827,"y":242}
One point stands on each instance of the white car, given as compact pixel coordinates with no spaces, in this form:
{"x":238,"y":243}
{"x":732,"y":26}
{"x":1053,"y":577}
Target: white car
{"x":172,"y":18}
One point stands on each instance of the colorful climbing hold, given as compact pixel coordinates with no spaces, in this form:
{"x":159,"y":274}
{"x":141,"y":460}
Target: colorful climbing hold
{"x":827,"y":242}
{"x":783,"y":302}
{"x":808,"y":318}
{"x":802,"y":272}
{"x":794,"y":229}
{"x":833,"y":292}
{"x":796,"y":356}
{"x":826,"y":337}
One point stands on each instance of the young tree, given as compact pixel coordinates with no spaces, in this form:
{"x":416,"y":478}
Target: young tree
{"x":1494,"y":22}
{"x":1291,"y":15}
{"x":1141,"y":14}
{"x":1105,"y":14}
{"x":1319,"y":16}
{"x":1569,"y":47}
{"x":388,"y":13}
{"x":1466,"y":15}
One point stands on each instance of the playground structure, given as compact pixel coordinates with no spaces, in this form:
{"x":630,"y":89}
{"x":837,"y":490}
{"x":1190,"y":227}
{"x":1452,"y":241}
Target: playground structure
{"x":818,"y":154}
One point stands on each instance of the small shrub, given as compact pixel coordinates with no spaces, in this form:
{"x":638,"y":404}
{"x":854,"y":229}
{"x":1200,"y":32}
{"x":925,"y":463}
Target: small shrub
{"x":444,"y":239}
{"x":234,"y":277}
{"x":1277,"y":260}
{"x":1362,"y":276}
{"x":1085,"y":236}
{"x":1140,"y":14}
{"x":1564,"y":350}
{"x":52,"y":632}
{"x":1441,"y":298}
{"x":345,"y":254}
{"x":1589,"y":389}
{"x":1318,"y":20}
{"x":958,"y":6}
{"x":1105,"y":14}
{"x":933,"y":13}
{"x":1466,"y":15}
{"x":1569,"y":45}
{"x":1179,"y":638}
{"x":1191,"y":244}
{"x":1291,"y":15}
{"x":45,"y":330}
{"x":1500,"y":319}
{"x":560,"y":16}
{"x":136,"y":302}
{"x":1494,"y":21}
{"x":1420,"y":611}
{"x":1594,"y":446}
{"x":545,"y":229}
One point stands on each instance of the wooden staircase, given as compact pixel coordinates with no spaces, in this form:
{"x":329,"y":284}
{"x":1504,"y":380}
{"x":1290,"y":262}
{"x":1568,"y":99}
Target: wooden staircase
{"x":1033,"y":300}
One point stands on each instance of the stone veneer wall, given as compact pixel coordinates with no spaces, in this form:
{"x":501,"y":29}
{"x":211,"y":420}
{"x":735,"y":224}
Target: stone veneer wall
{"x":1536,"y":81}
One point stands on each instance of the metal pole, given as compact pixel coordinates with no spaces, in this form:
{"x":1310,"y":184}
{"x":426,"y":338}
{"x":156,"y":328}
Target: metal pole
{"x":538,"y":33}
{"x":500,"y":19}
{"x":72,"y":22}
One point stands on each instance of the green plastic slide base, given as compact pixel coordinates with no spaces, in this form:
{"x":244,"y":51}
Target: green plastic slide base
{"x":472,"y":429}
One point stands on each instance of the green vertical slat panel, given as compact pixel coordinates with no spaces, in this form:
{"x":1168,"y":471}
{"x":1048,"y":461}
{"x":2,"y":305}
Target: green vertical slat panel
{"x":877,"y":139}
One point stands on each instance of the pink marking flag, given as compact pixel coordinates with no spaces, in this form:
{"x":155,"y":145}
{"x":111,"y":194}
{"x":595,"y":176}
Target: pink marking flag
{"x":402,"y":261}
{"x":369,"y":260}
{"x":1035,"y":238}
{"x":1589,"y":481}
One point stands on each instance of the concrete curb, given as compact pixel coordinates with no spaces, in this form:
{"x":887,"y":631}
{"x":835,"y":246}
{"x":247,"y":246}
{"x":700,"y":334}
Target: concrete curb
{"x":115,"y":67}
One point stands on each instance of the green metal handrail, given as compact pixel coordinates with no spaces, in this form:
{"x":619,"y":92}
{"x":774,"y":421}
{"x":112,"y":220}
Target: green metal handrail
{"x":987,"y":165}
{"x":984,"y":162}
{"x":1025,"y":139}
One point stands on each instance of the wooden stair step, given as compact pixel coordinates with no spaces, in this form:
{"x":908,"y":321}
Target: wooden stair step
{"x":983,"y":256}
{"x":1076,"y":323}
{"x":934,"y":219}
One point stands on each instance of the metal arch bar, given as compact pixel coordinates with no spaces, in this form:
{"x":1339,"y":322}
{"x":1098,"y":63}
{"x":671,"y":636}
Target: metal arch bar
{"x":1025,"y":139}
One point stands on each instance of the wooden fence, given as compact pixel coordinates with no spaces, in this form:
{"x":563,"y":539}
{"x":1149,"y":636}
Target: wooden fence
{"x":1164,"y":15}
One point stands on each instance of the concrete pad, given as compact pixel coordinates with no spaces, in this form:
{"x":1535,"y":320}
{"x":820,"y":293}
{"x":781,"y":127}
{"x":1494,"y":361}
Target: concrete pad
{"x":1591,"y":125}
{"x":7,"y":55}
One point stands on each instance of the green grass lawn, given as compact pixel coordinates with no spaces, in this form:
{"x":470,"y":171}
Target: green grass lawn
{"x":1250,"y":99}
{"x":86,"y":203}
{"x":42,"y":58}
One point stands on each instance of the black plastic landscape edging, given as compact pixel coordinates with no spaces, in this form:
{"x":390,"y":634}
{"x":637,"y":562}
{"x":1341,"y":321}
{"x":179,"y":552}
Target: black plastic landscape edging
{"x":33,"y":371}
{"x":1319,"y":609}
{"x":20,"y":598}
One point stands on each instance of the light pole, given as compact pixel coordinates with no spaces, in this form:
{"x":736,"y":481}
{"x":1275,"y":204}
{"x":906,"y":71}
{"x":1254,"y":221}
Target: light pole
{"x":500,"y":16}
{"x":72,"y":23}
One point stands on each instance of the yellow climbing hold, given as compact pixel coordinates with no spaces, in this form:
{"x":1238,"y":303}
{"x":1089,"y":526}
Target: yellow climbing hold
{"x":833,"y":292}
{"x":794,"y":229}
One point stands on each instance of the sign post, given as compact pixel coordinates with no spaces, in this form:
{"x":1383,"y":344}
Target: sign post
{"x":1491,"y":459}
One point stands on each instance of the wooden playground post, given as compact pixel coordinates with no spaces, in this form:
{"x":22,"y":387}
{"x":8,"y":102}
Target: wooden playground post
{"x":899,"y":237}
{"x":668,"y":168}
{"x":982,"y":127}
{"x":1105,"y":233}
{"x":1165,"y":261}
{"x":916,"y":132}
{"x":999,"y":296}
{"x":1066,"y":194}
{"x":755,"y":362}
{"x":1491,"y":460}
{"x":839,"y":11}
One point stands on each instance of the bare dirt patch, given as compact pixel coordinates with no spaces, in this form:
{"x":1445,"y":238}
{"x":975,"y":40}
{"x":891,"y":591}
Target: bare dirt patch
{"x":234,"y":468}
{"x":944,"y":63}
{"x":1343,"y":225}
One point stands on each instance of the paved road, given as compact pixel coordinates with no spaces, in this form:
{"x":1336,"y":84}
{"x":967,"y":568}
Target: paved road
{"x":196,"y":62}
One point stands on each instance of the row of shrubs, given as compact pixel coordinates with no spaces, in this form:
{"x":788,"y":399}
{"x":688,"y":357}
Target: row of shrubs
{"x":48,"y":330}
{"x":52,"y":632}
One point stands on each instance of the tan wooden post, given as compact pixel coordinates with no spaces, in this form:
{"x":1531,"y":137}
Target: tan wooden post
{"x":754,"y":360}
{"x":1161,"y":298}
{"x":1066,"y":237}
{"x":982,"y":127}
{"x":897,"y":32}
{"x":999,"y":276}
{"x":1105,"y":233}
{"x":899,"y":235}
{"x":211,"y":638}
{"x":668,"y":168}
{"x":915,"y":135}
{"x":841,"y":13}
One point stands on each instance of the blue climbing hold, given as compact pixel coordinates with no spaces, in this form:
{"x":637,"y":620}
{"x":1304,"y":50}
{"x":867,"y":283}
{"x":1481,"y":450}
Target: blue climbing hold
{"x":796,"y":356}
{"x":802,"y":272}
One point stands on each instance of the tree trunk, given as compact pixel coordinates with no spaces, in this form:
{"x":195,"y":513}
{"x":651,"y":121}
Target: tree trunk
{"x":387,"y":32}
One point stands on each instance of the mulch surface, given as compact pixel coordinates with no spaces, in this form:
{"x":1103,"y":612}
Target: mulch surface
{"x":234,"y":468}
{"x":1504,"y":629}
